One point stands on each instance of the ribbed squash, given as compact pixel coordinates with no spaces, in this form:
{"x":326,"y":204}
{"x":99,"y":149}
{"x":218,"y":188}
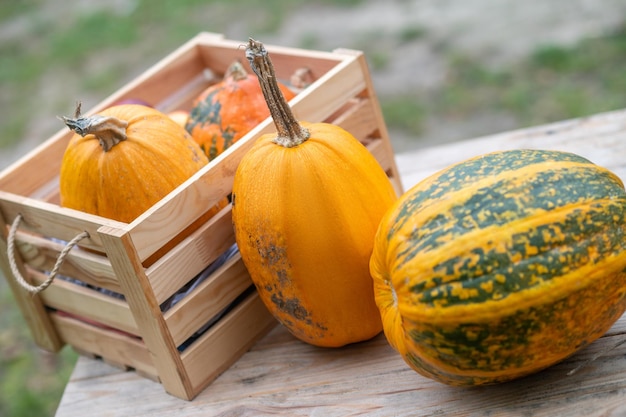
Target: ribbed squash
{"x":125,"y":159}
{"x":306,"y":205}
{"x":224,"y":112}
{"x":502,"y":265}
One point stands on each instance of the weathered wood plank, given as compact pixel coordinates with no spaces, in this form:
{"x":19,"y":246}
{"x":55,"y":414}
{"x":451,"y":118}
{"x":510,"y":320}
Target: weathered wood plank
{"x":600,"y":138}
{"x":282,"y":376}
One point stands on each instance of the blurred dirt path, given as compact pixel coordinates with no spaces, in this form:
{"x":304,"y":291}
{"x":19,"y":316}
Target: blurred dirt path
{"x":497,"y":33}
{"x":416,"y":37}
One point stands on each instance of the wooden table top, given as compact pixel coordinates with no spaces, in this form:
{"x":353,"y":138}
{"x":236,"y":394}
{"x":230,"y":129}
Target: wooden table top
{"x":283,"y":376}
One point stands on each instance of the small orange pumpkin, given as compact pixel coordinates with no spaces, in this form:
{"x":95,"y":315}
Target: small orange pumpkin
{"x":123,"y":160}
{"x":226,"y":111}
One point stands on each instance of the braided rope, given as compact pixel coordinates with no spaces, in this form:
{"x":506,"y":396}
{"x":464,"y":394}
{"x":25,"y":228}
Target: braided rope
{"x":16,"y":273}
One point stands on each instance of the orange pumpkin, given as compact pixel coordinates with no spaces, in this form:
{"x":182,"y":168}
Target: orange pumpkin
{"x":226,"y":111}
{"x":122,"y":161}
{"x":306,"y":205}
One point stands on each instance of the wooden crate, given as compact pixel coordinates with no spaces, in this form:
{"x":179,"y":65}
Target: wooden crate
{"x":156,"y":256}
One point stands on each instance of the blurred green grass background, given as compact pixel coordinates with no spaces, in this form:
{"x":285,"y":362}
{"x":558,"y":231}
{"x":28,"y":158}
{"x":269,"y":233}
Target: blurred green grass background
{"x":47,"y":48}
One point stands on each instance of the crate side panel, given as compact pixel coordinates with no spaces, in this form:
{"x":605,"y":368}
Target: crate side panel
{"x":91,"y":268}
{"x":166,"y":78}
{"x":357,"y":118}
{"x":380,"y":121}
{"x":87,"y":303}
{"x":223,"y":344}
{"x":146,"y":311}
{"x":217,"y":56}
{"x":190,"y":257}
{"x":37,"y":168}
{"x":386,"y":161}
{"x":116,"y":347}
{"x":52,"y":221}
{"x":208,"y":301}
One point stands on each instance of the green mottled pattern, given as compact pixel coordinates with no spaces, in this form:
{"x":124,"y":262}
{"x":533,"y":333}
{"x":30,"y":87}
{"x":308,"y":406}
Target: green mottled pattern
{"x":506,"y":200}
{"x":514,"y":345}
{"x":206,"y":111}
{"x":517,"y":192}
{"x":583,"y":236}
{"x":464,"y":175}
{"x":506,"y":264}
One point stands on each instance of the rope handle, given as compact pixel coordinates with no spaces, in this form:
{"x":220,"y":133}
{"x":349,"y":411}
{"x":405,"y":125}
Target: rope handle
{"x":13,"y":264}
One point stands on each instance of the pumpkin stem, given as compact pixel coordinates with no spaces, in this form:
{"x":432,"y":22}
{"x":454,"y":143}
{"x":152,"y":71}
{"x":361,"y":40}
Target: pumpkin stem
{"x":290,"y":133}
{"x":107,"y":129}
{"x":236,"y":71}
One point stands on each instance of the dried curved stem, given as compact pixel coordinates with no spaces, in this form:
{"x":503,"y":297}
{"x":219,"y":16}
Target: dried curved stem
{"x":107,"y":129}
{"x":290,"y":133}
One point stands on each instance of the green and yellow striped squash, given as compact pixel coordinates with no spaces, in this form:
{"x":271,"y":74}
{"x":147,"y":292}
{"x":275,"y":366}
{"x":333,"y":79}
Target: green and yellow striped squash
{"x":502,"y":265}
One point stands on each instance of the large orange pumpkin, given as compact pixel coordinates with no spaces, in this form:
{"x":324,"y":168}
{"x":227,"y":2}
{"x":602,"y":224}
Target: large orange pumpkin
{"x":226,"y":111}
{"x":306,"y":205}
{"x":123,"y":160}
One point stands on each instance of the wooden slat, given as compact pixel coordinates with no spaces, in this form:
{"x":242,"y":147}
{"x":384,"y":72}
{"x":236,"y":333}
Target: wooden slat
{"x":109,"y":344}
{"x":91,"y":268}
{"x":163,"y":79}
{"x":378,"y":150}
{"x":224,"y":343}
{"x":49,"y":193}
{"x":184,"y":97}
{"x":87,"y":303}
{"x":192,"y":255}
{"x":330,"y":92}
{"x":358,"y":118}
{"x":35,"y":169}
{"x":218,"y":53}
{"x":146,"y":311}
{"x":394,"y":172}
{"x":52,"y":221}
{"x":386,"y":161}
{"x":208,"y":300}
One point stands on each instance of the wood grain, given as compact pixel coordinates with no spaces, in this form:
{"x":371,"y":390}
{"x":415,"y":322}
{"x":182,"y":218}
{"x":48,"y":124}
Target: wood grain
{"x":283,"y":376}
{"x":210,"y":298}
{"x":600,"y":138}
